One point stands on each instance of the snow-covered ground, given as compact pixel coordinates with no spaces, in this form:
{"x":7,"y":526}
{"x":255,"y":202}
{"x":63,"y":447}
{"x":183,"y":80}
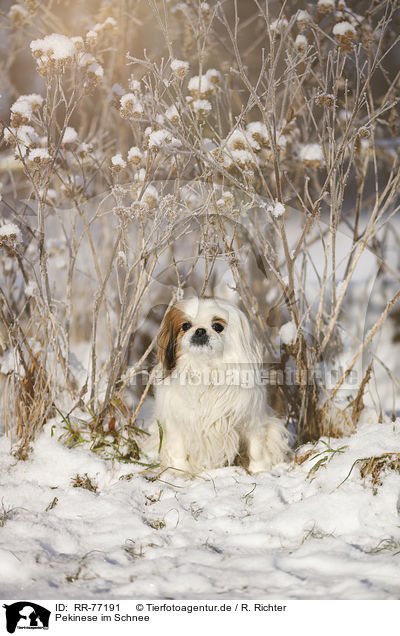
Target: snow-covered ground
{"x":295,"y":533}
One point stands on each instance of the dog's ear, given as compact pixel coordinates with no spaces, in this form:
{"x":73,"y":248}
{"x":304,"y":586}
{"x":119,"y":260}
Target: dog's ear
{"x":168,"y":338}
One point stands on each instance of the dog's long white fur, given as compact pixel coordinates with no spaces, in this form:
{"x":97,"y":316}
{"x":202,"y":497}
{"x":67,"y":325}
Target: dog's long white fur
{"x":211,"y":405}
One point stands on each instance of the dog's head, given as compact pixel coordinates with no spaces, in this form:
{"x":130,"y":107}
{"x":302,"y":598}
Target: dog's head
{"x":206,"y":331}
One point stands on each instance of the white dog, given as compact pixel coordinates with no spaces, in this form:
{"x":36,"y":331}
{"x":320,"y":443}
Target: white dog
{"x":209,"y":401}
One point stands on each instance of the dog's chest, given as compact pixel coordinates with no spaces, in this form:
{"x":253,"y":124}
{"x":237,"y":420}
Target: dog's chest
{"x":205,"y":402}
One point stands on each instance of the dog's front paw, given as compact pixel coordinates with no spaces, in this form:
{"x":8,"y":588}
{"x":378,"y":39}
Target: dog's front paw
{"x":260,"y":466}
{"x":180,"y":464}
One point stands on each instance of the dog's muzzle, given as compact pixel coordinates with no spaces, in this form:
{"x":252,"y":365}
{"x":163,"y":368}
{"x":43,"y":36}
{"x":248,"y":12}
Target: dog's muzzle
{"x":199,"y":337}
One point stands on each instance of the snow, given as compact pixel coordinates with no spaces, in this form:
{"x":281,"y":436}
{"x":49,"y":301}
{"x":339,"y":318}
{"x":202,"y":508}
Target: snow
{"x":96,"y":69}
{"x":140,"y":175}
{"x":179,"y":67}
{"x":172,"y":113}
{"x":163,"y":139}
{"x":10,"y":231}
{"x":297,"y":532}
{"x":39,"y":155}
{"x":150,"y":195}
{"x":85,"y":59}
{"x":17,"y":9}
{"x":91,"y":35}
{"x":134,"y":154}
{"x":109,"y":23}
{"x":237,"y":140}
{"x":326,"y":4}
{"x":78,"y":42}
{"x":279,"y":25}
{"x":116,"y":92}
{"x":34,"y":100}
{"x":201,"y":106}
{"x":300,"y":41}
{"x":83,"y":149}
{"x":70,"y":135}
{"x":288,"y":333}
{"x":118,"y":161}
{"x":24,"y":136}
{"x":127,"y":100}
{"x":281,"y":141}
{"x":56,"y":46}
{"x":7,"y":362}
{"x":22,"y":107}
{"x":277,"y":210}
{"x":242,"y":157}
{"x":213,"y":75}
{"x":201,"y":86}
{"x":31,"y":289}
{"x":134,"y":85}
{"x":343,"y":29}
{"x":303,"y":16}
{"x":311,"y":152}
{"x":131,"y":104}
{"x":258,"y":130}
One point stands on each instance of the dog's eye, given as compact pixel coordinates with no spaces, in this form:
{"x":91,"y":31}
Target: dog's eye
{"x":217,"y":327}
{"x":186,"y":326}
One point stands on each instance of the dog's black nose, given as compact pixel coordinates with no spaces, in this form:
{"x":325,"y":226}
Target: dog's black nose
{"x":200,"y":337}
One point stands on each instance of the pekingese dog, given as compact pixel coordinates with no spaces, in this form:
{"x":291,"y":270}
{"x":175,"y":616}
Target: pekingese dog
{"x":209,"y":400}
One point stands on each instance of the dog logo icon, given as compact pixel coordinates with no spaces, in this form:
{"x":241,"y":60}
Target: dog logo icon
{"x":26,"y":615}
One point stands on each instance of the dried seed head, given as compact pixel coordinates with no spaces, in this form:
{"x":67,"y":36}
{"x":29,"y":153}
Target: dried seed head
{"x":201,"y":87}
{"x":258,"y":131}
{"x":179,"y":68}
{"x":301,"y":42}
{"x":95,"y":72}
{"x":278,"y":26}
{"x":114,"y":97}
{"x":139,"y":210}
{"x":213,"y":76}
{"x":130,"y":107}
{"x":32,"y":6}
{"x":135,"y":155}
{"x":364,"y":132}
{"x":172,"y":114}
{"x":83,"y":150}
{"x":325,"y":99}
{"x":345,"y":34}
{"x":205,"y":9}
{"x":53,"y":52}
{"x":326,"y":6}
{"x":201,"y":107}
{"x":39,"y":157}
{"x":78,"y":42}
{"x":91,"y":38}
{"x":18,"y":15}
{"x":311,"y":155}
{"x":10,"y":235}
{"x":151,"y":197}
{"x":118,"y":163}
{"x":303,"y":19}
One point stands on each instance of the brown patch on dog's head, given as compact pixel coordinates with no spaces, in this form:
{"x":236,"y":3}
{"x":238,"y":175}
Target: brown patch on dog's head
{"x":168,"y":339}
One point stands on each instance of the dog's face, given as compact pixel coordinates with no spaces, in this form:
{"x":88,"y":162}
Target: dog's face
{"x":204,"y":330}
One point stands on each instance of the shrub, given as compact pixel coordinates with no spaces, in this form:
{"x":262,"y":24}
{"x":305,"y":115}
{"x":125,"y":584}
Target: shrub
{"x":215,"y":157}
